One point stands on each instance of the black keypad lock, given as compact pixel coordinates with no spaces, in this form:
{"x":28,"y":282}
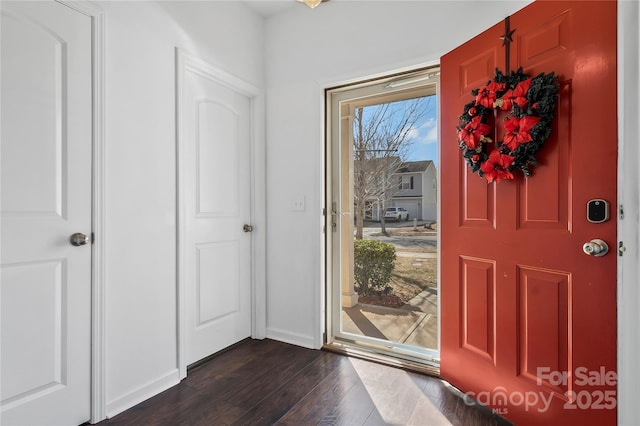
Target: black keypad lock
{"x":598,"y":211}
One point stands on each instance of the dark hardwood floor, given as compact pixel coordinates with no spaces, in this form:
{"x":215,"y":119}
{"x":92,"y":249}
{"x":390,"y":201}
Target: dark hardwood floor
{"x":268,"y":382}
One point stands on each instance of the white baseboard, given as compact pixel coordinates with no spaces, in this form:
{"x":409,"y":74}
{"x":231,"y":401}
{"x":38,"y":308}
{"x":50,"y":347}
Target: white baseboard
{"x":142,"y":393}
{"x":292,"y":338}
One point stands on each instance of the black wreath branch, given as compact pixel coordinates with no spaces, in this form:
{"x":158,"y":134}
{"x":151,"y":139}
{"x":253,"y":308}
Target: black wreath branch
{"x":531,"y":103}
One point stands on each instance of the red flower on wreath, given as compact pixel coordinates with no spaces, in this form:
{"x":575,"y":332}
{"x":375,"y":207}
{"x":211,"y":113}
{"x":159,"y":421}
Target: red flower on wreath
{"x":488,"y":94}
{"x":518,"y":131}
{"x":517,"y":96}
{"x":495,"y":168}
{"x":473,"y":132}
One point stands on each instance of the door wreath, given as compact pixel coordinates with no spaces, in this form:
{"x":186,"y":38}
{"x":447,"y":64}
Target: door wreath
{"x":531,"y":102}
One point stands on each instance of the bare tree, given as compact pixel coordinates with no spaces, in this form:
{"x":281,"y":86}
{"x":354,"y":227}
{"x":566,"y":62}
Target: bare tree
{"x":382,"y":138}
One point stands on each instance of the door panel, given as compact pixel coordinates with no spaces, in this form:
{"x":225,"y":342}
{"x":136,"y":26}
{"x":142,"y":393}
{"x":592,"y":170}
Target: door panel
{"x":473,"y":72}
{"x":539,"y":45}
{"x":39,"y":61}
{"x":217,"y":262}
{"x":552,"y":182}
{"x":477,"y":199}
{"x":46,"y":197}
{"x":216,"y":134}
{"x":216,"y":129}
{"x":514,"y":278}
{"x":477,"y":286}
{"x":544,"y":321}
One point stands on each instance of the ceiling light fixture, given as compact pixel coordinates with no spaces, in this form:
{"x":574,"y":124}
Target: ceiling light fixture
{"x":312,"y":3}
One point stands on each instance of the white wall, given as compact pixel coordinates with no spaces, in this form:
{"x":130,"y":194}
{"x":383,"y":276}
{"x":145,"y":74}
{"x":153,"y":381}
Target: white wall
{"x":307,"y":51}
{"x":141,"y":174}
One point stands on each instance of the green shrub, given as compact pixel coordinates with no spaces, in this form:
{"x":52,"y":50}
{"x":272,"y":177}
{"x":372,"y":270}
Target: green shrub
{"x":373,"y":265}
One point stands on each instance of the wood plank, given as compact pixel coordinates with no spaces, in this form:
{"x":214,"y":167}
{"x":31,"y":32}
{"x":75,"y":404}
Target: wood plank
{"x":165,"y":408}
{"x":235,"y":361}
{"x":267,"y":382}
{"x":322,"y":399}
{"x":275,"y":406}
{"x":251,"y":392}
{"x":353,"y":409}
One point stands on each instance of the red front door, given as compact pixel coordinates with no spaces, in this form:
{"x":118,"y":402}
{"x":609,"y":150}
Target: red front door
{"x":528,"y":319}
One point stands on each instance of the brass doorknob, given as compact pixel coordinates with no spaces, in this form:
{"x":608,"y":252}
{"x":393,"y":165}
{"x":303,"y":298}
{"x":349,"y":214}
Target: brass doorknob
{"x":595,"y":248}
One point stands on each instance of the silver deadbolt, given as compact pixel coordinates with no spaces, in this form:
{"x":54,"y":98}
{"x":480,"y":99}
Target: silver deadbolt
{"x":247,"y":228}
{"x":595,"y":248}
{"x":79,"y":239}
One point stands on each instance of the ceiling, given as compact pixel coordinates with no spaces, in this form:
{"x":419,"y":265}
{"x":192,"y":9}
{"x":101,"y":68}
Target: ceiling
{"x":269,"y":8}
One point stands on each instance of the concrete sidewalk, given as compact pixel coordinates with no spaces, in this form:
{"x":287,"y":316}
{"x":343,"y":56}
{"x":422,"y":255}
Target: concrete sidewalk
{"x":415,"y":323}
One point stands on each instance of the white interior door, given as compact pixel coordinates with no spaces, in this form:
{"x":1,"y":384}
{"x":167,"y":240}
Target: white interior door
{"x":46,"y":196}
{"x":216,"y":189}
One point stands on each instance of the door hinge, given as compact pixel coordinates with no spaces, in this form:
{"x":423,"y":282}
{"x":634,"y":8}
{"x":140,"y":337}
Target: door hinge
{"x":93,"y":237}
{"x":621,"y":212}
{"x":621,"y":248}
{"x":334,"y":217}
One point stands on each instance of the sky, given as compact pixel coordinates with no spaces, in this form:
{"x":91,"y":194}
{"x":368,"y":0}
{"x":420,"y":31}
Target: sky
{"x":425,"y":133}
{"x":423,"y":137}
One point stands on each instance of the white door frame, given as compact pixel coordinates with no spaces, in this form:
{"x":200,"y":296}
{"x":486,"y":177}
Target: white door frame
{"x":359,"y":92}
{"x":98,"y":389}
{"x":629,"y":198}
{"x":184,"y":62}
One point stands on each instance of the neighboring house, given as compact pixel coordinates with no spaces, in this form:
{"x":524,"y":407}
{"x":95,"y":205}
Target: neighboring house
{"x":417,"y":190}
{"x":414,"y":188}
{"x":374,"y":182}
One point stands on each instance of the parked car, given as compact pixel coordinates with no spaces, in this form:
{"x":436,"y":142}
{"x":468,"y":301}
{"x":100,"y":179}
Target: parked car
{"x":396,"y":213}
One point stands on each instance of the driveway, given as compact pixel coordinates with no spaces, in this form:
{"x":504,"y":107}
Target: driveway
{"x":427,"y":241}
